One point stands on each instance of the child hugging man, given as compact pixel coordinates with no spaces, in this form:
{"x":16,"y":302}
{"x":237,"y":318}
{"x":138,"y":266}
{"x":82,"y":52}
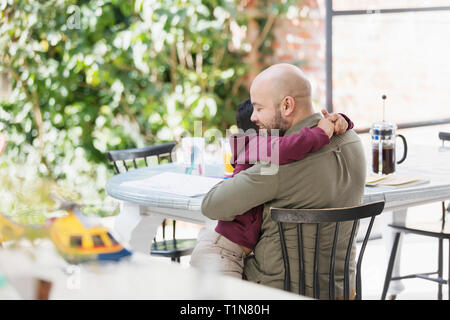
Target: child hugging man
{"x":226,"y":248}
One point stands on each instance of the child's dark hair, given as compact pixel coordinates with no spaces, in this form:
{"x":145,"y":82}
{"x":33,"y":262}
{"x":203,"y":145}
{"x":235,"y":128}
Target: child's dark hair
{"x":243,"y":114}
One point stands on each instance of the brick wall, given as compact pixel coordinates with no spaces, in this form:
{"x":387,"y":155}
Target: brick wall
{"x":300,"y":40}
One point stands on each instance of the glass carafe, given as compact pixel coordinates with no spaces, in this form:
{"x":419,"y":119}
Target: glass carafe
{"x":383,"y":147}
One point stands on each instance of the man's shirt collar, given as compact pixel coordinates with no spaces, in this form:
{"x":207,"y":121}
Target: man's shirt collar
{"x":309,"y":121}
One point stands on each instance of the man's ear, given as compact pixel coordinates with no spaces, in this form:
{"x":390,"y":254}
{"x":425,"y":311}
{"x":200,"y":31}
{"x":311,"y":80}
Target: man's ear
{"x":288,"y":106}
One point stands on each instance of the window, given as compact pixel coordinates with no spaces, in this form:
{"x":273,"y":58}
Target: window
{"x":401,"y":50}
{"x":76,"y":241}
{"x":97,"y":240}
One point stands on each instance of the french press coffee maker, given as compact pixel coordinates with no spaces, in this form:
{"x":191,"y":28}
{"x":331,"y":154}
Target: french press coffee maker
{"x":383,"y":146}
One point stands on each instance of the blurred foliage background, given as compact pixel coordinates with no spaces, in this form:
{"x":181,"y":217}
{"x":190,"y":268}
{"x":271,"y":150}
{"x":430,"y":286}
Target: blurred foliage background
{"x":90,"y":76}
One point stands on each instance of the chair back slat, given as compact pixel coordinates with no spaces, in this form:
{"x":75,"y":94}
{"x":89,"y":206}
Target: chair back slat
{"x":316,"y":285}
{"x":173,"y":228}
{"x":444,"y":212}
{"x":359,"y":263}
{"x":287,"y":272}
{"x":125,"y":165}
{"x":301,"y":260}
{"x":116,"y":168}
{"x":318,"y":217}
{"x":347,"y":261}
{"x":332,"y":260}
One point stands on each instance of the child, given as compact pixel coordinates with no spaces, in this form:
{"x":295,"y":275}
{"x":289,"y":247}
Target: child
{"x":226,"y":248}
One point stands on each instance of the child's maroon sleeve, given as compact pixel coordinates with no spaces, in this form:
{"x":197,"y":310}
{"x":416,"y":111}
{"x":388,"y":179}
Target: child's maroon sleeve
{"x":282,"y":150}
{"x":290,"y":148}
{"x":350,"y":122}
{"x":297,"y":146}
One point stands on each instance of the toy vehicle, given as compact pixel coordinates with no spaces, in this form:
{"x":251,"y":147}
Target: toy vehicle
{"x":78,"y":243}
{"x":73,"y":235}
{"x":9,"y":230}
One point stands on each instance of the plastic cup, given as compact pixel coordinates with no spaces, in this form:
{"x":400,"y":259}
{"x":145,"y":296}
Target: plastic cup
{"x":193,"y":155}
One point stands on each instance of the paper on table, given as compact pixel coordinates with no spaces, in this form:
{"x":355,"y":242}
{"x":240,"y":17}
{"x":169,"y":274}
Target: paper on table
{"x":175,"y":183}
{"x":370,"y":179}
{"x":394,"y":180}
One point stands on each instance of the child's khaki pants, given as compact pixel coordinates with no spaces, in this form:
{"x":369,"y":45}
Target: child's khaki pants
{"x":214,"y":252}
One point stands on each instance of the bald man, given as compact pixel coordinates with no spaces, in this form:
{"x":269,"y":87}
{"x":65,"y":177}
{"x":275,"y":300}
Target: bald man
{"x":332,"y":177}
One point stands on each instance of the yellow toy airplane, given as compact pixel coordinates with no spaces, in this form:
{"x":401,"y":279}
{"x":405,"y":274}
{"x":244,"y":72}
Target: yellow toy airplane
{"x":74,"y":237}
{"x":78,"y":243}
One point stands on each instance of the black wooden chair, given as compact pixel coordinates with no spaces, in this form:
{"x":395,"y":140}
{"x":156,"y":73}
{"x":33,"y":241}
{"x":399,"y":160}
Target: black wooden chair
{"x":318,"y":217}
{"x":439,"y":230}
{"x":173,"y":248}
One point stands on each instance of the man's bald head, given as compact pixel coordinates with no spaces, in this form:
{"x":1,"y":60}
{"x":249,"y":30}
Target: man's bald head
{"x":282,"y":80}
{"x":281,"y":96}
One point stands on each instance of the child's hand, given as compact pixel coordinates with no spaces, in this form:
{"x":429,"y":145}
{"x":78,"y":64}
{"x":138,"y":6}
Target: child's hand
{"x":340,"y":124}
{"x":327,"y":126}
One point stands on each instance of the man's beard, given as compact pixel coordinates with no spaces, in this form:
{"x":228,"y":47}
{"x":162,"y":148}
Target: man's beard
{"x":278,"y":123}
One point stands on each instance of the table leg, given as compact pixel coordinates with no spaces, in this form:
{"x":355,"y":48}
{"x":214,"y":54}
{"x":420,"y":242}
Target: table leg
{"x":136,"y":229}
{"x":393,"y":217}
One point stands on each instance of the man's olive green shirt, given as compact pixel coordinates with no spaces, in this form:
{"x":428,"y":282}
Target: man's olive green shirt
{"x":332,"y":177}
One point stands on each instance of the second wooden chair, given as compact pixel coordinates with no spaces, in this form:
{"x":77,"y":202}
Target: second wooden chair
{"x":172,"y":248}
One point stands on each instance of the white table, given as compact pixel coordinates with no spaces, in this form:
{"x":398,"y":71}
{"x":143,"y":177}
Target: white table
{"x":140,"y":277}
{"x":144,"y":211}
